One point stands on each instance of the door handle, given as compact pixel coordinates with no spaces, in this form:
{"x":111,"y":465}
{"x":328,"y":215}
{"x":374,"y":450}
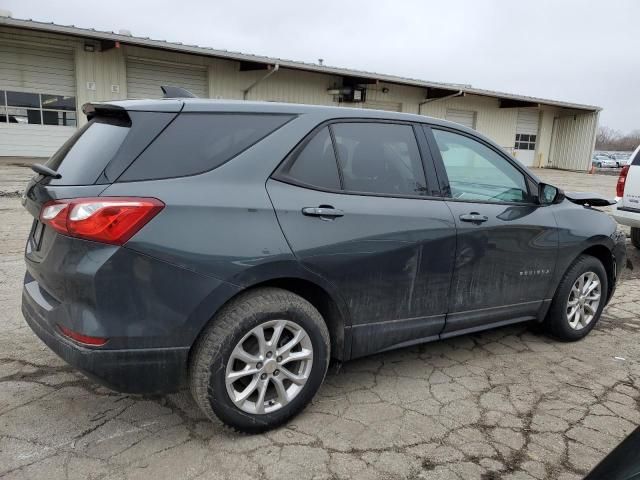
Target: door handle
{"x":322,"y":211}
{"x":474,"y":217}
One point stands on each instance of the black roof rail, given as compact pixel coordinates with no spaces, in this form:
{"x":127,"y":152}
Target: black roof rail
{"x":176,"y":92}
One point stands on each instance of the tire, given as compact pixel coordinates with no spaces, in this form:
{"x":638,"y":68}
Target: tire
{"x":557,"y":322}
{"x":233,"y":332}
{"x":635,"y":237}
{"x":598,"y":165}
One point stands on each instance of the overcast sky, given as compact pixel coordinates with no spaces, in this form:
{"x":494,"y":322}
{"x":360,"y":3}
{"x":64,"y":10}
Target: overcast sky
{"x":586,"y":51}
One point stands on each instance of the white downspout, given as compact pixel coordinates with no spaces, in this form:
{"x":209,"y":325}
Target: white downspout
{"x":245,"y":93}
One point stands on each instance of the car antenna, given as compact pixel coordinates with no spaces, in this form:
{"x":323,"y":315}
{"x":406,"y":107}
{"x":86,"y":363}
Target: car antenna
{"x":176,"y":92}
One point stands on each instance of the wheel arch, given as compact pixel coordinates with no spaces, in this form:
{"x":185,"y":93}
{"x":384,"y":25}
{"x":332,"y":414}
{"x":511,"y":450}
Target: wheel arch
{"x":319,"y":294}
{"x":323,"y":301}
{"x":605,"y":255}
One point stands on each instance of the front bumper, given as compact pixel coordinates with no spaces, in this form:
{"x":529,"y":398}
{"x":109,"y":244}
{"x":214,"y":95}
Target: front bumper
{"x":141,"y":370}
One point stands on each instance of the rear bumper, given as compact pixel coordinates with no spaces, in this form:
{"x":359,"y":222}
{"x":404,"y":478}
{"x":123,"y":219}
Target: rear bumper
{"x":629,"y":218}
{"x":150,"y":370}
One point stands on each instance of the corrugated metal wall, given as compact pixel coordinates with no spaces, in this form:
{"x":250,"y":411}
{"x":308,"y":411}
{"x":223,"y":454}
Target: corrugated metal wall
{"x":496,"y":123}
{"x":145,"y":77}
{"x":36,"y":64}
{"x":544,"y":136}
{"x":106,"y":72}
{"x":572,"y":141}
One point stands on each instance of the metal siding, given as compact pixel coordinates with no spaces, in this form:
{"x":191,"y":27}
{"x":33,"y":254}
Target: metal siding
{"x":104,"y":69}
{"x":193,"y":50}
{"x":463,"y":117}
{"x":145,"y":77}
{"x":544,"y":137}
{"x":496,"y":123}
{"x":288,"y":86}
{"x":573,"y":140}
{"x":381,"y":105}
{"x":528,"y":121}
{"x":223,"y":79}
{"x":36,"y":69}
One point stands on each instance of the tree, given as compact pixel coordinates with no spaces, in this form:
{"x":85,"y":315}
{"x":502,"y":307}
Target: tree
{"x":610,"y":139}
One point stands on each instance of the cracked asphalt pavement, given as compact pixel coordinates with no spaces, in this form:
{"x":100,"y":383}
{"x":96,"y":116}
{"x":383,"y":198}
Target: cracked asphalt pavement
{"x":504,"y":404}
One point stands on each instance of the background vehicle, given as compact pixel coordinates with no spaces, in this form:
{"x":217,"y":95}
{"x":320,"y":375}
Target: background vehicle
{"x":238,"y":246}
{"x":621,"y":158}
{"x":601,"y":160}
{"x":627,"y":209}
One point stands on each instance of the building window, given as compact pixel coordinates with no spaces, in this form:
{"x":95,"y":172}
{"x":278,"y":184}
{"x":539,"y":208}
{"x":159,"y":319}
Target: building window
{"x":525,"y":141}
{"x":37,"y":108}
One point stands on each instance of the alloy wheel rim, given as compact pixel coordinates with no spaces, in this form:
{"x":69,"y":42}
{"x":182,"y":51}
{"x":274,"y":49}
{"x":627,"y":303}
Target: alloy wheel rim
{"x":269,"y":367}
{"x":584,"y":300}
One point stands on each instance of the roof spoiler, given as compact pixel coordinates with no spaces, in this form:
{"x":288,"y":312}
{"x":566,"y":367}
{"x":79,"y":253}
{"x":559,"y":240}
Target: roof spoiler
{"x":104,"y":109}
{"x":176,"y":92}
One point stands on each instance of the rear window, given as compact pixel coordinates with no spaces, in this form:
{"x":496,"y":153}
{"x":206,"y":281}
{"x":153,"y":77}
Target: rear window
{"x":82,"y":158}
{"x":635,"y":158}
{"x":195,"y":143}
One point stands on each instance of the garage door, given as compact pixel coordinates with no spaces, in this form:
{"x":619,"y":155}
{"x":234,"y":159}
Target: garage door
{"x":37,"y":99}
{"x":145,"y":77}
{"x":463,"y":117}
{"x":526,"y":136}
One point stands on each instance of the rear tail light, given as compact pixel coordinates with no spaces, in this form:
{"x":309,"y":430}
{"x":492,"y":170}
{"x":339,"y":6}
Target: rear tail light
{"x":80,"y":338}
{"x":112,"y":220}
{"x":622,"y":180}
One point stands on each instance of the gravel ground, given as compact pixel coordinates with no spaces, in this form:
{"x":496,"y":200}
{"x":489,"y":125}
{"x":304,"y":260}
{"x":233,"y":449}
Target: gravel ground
{"x":509,"y":403}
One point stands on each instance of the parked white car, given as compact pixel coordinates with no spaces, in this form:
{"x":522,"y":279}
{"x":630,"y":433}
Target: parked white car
{"x":601,"y":160}
{"x":627,"y":210}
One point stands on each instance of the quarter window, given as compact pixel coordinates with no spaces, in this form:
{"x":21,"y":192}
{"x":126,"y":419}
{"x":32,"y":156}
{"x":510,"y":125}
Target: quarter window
{"x":37,"y":108}
{"x":198,"y":142}
{"x":379,"y":158}
{"x":477,"y":173}
{"x":316,"y":163}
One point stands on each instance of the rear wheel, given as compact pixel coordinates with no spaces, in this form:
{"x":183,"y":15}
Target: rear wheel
{"x":579,"y":300}
{"x":635,"y":237}
{"x":260,"y":361}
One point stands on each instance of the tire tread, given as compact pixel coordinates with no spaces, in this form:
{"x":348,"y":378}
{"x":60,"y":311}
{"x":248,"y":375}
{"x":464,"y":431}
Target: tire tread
{"x":224,"y":325}
{"x":554,"y":323}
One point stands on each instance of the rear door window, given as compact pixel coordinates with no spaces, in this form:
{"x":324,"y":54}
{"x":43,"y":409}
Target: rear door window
{"x":381,"y":158}
{"x":195,"y":143}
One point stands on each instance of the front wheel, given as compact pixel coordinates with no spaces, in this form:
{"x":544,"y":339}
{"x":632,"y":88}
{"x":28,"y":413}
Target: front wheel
{"x":579,"y":300}
{"x":261,"y":360}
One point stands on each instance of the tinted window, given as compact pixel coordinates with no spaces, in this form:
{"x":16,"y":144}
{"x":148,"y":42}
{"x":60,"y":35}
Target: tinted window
{"x":195,"y":143}
{"x":379,"y":158}
{"x":23,"y":99}
{"x":476,"y":172}
{"x":40,"y":109}
{"x":316,"y":163}
{"x":83,"y":157}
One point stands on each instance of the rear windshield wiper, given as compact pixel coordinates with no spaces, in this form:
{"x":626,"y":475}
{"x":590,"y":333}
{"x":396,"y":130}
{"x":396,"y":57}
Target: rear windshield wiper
{"x":46,"y":171}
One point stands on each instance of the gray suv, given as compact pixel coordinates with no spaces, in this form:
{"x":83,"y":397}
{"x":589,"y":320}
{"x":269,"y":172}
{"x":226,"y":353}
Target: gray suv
{"x":237,"y":247}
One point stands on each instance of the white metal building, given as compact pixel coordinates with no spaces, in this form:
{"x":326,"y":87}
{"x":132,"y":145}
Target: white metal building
{"x":48,"y":71}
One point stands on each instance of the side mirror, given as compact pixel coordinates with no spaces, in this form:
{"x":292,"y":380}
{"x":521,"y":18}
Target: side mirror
{"x":548,"y":194}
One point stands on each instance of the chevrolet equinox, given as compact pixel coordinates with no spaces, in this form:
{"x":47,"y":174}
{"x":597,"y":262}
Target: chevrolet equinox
{"x":236,"y":247}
